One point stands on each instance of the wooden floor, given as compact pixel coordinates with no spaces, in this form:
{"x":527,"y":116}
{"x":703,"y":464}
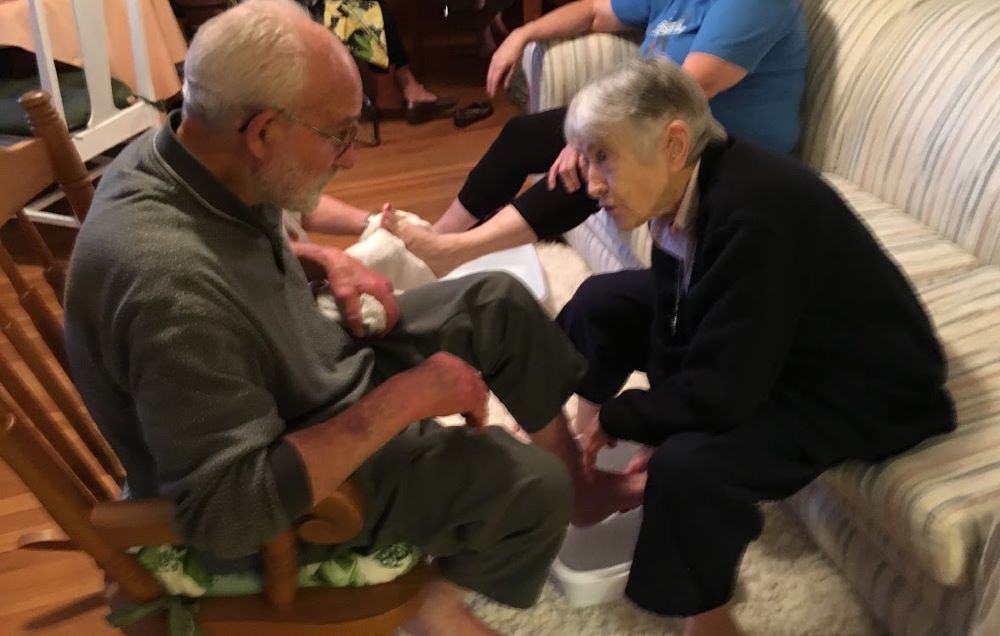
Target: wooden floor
{"x":417,"y":169}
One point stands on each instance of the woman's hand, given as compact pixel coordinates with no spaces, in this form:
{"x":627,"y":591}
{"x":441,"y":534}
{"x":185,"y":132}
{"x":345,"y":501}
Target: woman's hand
{"x":569,"y":167}
{"x":505,"y":61}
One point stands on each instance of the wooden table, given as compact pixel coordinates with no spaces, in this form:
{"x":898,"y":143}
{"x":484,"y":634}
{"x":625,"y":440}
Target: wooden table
{"x":164,"y":40}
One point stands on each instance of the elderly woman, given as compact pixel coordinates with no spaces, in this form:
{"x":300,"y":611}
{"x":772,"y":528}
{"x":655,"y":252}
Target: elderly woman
{"x":747,"y":56}
{"x":778,"y":338}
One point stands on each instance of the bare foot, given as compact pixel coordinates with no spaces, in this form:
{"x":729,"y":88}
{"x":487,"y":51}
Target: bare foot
{"x":716,"y":622}
{"x":640,"y":461}
{"x":439,"y":251}
{"x":443,"y":613}
{"x":418,"y":93}
{"x":605,"y":493}
{"x":462,"y":621}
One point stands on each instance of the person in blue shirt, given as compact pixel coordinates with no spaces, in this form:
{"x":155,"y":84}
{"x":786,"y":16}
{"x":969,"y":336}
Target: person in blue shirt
{"x":748,"y":56}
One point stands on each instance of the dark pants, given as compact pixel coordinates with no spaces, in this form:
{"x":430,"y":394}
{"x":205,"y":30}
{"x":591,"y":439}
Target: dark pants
{"x":527,"y":145}
{"x":700,"y":505}
{"x":395,"y":48}
{"x":490,"y":509}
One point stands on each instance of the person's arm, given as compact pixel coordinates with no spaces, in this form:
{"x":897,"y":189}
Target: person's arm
{"x":333,"y":216}
{"x":349,"y":278}
{"x":712,"y":73}
{"x":441,"y":385}
{"x":734,"y":37}
{"x":572,"y":19}
{"x":569,"y":20}
{"x":198,"y":375}
{"x":746,"y":307}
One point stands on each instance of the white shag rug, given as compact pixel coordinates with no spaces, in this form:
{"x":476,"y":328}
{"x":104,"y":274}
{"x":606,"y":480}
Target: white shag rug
{"x":786,"y":586}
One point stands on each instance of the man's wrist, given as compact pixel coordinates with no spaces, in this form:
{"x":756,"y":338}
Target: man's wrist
{"x":408,"y":392}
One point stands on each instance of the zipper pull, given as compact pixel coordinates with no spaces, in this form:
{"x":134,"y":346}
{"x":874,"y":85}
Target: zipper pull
{"x":446,"y":9}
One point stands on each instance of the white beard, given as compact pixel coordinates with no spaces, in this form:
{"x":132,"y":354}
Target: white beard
{"x":284,"y":186}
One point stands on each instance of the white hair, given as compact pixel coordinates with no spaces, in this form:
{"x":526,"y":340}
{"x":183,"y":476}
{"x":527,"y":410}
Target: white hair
{"x":245,"y":60}
{"x":640,"y":99}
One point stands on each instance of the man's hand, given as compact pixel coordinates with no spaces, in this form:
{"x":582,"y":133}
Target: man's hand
{"x":569,"y":167}
{"x":594,"y":439}
{"x":348,"y":279}
{"x":444,"y":384}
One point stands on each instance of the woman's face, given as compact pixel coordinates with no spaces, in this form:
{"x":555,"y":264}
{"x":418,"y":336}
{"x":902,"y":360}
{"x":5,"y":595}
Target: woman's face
{"x":632,"y":182}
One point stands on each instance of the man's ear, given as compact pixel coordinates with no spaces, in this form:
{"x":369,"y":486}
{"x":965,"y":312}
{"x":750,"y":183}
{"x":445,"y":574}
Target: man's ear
{"x":675,"y":144}
{"x":259,"y":132}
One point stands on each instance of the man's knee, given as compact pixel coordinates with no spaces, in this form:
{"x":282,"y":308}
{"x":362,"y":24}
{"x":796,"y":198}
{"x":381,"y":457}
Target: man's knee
{"x":536,"y":481}
{"x":502,"y":287}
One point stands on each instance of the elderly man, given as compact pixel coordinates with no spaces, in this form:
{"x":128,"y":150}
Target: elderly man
{"x":197,"y":346}
{"x":778,"y":338}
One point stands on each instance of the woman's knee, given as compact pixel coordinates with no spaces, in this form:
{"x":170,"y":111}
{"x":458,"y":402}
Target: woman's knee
{"x":517,"y":133}
{"x":600,"y":319}
{"x":678,"y":467}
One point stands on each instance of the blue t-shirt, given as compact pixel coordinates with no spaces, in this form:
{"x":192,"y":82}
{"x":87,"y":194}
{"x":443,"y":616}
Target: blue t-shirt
{"x":765,"y":37}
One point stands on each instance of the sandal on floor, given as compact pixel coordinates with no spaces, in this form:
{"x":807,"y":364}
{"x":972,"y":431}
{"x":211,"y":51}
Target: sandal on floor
{"x":472,"y":113}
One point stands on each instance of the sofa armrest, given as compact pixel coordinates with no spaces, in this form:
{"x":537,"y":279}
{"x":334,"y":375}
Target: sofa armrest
{"x":556,"y":69}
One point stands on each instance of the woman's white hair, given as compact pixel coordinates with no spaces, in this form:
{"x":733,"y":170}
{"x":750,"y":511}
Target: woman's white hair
{"x":639,"y":100}
{"x":244,"y":60}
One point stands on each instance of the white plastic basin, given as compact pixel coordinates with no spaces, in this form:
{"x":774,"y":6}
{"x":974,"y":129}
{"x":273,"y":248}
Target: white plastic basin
{"x":521,"y":262}
{"x":593,"y":563}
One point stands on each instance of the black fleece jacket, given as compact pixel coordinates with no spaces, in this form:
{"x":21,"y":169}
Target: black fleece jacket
{"x":792,"y":303}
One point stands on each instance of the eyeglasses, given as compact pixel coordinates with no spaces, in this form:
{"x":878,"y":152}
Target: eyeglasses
{"x":342,"y":144}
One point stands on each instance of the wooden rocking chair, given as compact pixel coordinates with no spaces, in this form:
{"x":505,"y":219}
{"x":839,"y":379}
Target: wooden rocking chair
{"x":75,"y":475}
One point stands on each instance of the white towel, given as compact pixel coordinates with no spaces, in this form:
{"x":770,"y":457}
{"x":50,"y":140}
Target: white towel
{"x":384,"y":253}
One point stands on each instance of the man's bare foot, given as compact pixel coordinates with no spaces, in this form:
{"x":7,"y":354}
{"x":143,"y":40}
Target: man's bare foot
{"x":717,"y":622}
{"x":604,"y":493}
{"x":439,"y":251}
{"x":443,"y":612}
{"x":640,"y":461}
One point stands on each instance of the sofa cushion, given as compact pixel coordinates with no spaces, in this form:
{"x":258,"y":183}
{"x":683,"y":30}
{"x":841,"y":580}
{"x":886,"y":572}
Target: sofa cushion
{"x":921,"y":253}
{"x":76,"y":101}
{"x":901,"y":99}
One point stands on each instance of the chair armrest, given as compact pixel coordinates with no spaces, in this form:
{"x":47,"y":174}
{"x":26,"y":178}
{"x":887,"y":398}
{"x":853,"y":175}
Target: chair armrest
{"x":556,"y":69}
{"x":50,"y":539}
{"x":135,"y":522}
{"x":336,"y":518}
{"x":150,"y":521}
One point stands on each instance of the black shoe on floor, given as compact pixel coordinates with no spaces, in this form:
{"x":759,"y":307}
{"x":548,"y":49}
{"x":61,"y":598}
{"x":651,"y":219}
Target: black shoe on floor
{"x":468,"y":115}
{"x":422,"y":112}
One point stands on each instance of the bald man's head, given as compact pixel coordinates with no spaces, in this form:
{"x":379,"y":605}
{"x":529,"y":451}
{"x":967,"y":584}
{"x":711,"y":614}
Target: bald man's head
{"x":267,"y":54}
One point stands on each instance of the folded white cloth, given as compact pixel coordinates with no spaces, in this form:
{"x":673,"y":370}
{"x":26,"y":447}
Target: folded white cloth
{"x":384,"y":253}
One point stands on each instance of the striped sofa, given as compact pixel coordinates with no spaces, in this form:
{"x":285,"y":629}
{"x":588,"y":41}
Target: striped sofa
{"x":902,"y":116}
